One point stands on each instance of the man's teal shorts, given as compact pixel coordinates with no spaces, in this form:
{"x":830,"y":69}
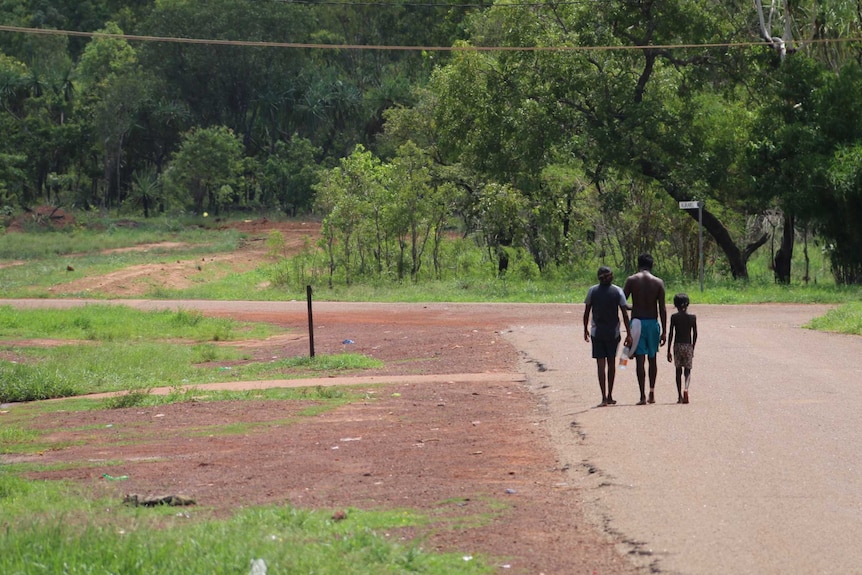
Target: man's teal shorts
{"x":650,"y":336}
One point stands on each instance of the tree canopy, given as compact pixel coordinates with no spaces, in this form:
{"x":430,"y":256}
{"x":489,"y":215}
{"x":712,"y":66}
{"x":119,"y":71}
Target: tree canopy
{"x":569,"y":131}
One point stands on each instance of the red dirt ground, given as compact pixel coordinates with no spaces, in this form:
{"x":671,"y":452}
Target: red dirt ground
{"x":451,"y":449}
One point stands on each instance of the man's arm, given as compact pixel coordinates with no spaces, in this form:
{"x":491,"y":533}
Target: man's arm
{"x":693,"y":331}
{"x":587,"y":308}
{"x":624,"y":309}
{"x":662,"y":313}
{"x":670,"y":339}
{"x":628,"y":340}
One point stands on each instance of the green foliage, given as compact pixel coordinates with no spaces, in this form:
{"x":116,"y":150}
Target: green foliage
{"x":38,"y":520}
{"x":208,"y":160}
{"x":384,"y":217}
{"x":132,"y":398}
{"x":96,"y":322}
{"x":275,"y":243}
{"x":579,"y":136}
{"x":123,"y":343}
{"x":846,"y":318}
{"x":289,"y":175}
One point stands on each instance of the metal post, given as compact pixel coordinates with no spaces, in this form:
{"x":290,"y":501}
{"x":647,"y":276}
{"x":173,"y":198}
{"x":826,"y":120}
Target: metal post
{"x":700,"y":240}
{"x":690,"y":205}
{"x":310,"y":322}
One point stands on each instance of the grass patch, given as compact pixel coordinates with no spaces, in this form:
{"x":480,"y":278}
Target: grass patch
{"x":111,"y":538}
{"x":106,"y":323}
{"x":846,"y":318}
{"x":67,"y":371}
{"x":12,"y":434}
{"x":54,"y":258}
{"x":566,"y":291}
{"x":114,"y":348}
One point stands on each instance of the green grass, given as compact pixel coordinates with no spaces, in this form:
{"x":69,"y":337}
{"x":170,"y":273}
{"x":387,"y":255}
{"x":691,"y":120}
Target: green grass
{"x":843,"y":319}
{"x":95,"y":236}
{"x":53,"y":258}
{"x":43,"y":373}
{"x":51,"y":527}
{"x":112,"y":348}
{"x":106,"y":323}
{"x":49,"y":253}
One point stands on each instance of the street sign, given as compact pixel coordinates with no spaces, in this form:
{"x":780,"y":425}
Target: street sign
{"x":697,"y":205}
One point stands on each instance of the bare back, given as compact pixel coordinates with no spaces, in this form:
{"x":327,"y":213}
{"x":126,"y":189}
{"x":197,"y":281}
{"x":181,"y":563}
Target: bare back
{"x":648,"y":295}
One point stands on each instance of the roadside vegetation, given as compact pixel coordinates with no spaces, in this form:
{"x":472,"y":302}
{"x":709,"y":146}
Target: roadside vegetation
{"x":54,"y":527}
{"x":458,"y":176}
{"x":110,"y":348}
{"x":102,"y":347}
{"x":109,"y":537}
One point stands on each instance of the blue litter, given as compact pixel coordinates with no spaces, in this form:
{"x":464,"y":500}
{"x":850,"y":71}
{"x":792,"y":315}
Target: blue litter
{"x":348,"y":341}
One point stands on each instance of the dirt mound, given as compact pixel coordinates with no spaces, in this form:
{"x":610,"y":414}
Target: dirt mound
{"x":42,"y":217}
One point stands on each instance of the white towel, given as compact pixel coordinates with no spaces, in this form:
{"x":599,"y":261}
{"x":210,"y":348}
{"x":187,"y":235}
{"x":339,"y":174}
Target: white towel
{"x":636,"y":335}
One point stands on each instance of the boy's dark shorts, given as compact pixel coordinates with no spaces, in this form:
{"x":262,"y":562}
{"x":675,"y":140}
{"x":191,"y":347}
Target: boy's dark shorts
{"x":606,"y":348}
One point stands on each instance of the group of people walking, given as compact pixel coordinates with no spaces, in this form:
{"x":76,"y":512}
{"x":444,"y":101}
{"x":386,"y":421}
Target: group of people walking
{"x":646,"y":331}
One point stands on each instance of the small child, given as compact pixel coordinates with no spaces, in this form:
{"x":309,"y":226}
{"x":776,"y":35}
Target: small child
{"x":684,"y":326}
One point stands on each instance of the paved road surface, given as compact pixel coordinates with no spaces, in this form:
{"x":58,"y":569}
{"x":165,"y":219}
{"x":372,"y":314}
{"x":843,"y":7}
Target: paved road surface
{"x":760,"y":474}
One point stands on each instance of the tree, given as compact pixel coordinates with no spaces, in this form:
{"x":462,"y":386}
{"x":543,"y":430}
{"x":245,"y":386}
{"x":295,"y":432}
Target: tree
{"x":38,"y":121}
{"x":146,"y":189}
{"x":113,"y":88}
{"x":208,"y":159}
{"x":348,"y":194}
{"x":415,"y":208}
{"x":795,"y":147}
{"x":632,"y":111}
{"x":290,"y":173}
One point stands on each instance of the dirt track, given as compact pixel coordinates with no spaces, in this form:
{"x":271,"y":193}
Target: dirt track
{"x":759,"y":474}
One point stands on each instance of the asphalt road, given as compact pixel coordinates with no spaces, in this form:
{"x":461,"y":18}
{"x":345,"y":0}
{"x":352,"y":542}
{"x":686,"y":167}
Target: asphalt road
{"x":760,"y":474}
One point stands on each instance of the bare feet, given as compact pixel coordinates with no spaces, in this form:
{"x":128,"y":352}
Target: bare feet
{"x":612,"y":401}
{"x":642,"y":401}
{"x":685,"y":397}
{"x":651,"y":397}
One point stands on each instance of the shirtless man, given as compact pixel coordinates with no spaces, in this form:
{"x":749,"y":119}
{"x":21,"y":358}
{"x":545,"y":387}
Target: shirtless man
{"x":648,"y":306}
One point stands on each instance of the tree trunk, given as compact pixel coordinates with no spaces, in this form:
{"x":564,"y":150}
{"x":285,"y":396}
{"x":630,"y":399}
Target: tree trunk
{"x":736,"y":257}
{"x":784,"y":256}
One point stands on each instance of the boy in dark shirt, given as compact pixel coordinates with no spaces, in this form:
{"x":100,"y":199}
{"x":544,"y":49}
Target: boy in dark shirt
{"x":683,"y":325}
{"x":605,"y":301}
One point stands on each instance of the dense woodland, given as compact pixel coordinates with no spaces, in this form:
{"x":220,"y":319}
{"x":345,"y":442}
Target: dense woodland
{"x":548,"y":132}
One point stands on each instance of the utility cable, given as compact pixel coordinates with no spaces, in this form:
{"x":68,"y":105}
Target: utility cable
{"x":380,"y":47}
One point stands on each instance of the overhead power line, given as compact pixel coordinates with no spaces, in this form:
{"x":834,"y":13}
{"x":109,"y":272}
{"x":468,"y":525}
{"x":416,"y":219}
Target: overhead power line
{"x":381,"y":47}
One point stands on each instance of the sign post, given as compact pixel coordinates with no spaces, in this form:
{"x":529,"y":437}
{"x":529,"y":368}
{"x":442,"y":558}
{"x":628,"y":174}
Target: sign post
{"x":697,"y":205}
{"x":310,"y":323}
